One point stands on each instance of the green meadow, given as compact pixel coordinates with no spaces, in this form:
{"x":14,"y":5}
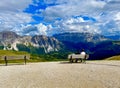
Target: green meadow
{"x":38,"y":58}
{"x":33,"y":57}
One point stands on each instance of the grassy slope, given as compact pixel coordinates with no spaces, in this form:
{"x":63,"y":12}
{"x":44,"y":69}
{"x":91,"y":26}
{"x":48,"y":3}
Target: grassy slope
{"x":33,"y":58}
{"x":10,"y":53}
{"x":114,"y":58}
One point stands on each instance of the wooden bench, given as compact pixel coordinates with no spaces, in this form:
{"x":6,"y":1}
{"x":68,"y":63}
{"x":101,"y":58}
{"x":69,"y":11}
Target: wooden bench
{"x":76,"y":57}
{"x":16,"y":57}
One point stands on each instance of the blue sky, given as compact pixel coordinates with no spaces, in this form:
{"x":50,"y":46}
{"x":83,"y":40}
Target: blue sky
{"x":48,"y":17}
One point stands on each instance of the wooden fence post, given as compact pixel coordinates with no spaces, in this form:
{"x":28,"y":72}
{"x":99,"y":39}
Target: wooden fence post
{"x":5,"y":58}
{"x":25,"y":58}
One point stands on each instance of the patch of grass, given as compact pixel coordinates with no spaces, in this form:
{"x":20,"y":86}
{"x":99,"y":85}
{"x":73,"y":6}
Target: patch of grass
{"x":33,"y":57}
{"x":44,"y":58}
{"x":114,"y":58}
{"x":11,"y":53}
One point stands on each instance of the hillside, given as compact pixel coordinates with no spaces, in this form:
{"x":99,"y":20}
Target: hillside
{"x":114,"y":58}
{"x":9,"y":52}
{"x":99,"y":47}
{"x":80,"y":37}
{"x":33,"y":57}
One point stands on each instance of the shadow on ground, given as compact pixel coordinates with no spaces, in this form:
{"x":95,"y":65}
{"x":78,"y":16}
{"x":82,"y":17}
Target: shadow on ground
{"x":11,"y":64}
{"x":67,"y":62}
{"x":105,"y":64}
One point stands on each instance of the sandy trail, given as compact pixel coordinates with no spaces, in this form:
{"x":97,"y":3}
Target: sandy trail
{"x":94,"y":74}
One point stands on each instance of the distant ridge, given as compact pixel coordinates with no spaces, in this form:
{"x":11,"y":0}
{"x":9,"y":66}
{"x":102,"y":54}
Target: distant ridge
{"x":80,"y":37}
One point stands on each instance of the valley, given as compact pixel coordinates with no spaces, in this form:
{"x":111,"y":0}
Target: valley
{"x":59,"y":46}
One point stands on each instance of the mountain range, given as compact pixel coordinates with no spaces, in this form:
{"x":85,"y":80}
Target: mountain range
{"x":11,"y":41}
{"x":98,"y":46}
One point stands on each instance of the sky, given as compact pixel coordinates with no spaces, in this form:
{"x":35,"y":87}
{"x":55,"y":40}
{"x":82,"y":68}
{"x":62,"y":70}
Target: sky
{"x":49,"y":17}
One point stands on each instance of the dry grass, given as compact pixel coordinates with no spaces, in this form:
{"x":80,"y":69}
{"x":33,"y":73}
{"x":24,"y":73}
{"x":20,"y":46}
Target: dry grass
{"x":114,"y":58}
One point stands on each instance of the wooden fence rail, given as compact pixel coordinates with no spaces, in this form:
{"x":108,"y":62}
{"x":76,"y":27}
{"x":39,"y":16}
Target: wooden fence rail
{"x":16,"y":57}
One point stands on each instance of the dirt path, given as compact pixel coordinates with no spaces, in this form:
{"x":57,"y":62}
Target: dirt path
{"x":94,"y":74}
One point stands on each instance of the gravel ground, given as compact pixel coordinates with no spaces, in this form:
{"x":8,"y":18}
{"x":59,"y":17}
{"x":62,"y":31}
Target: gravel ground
{"x":93,"y":74}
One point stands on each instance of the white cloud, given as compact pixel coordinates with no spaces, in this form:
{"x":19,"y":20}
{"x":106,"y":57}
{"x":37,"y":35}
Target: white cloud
{"x":73,"y":20}
{"x":12,"y":15}
{"x":76,"y":7}
{"x":117,"y":16}
{"x":104,"y":11}
{"x":14,"y":5}
{"x":104,"y":16}
{"x":11,"y":20}
{"x":74,"y":25}
{"x":42,"y":29}
{"x":112,"y":5}
{"x":67,"y":9}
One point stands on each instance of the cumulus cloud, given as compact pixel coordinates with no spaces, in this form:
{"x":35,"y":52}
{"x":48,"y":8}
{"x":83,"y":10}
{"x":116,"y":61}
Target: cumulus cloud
{"x":117,"y":16}
{"x":71,"y":8}
{"x":77,"y":25}
{"x":13,"y":5}
{"x":67,"y":9}
{"x":59,"y":16}
{"x":12,"y":15}
{"x":42,"y":29}
{"x":105,"y":12}
{"x":27,"y":30}
{"x":39,"y":29}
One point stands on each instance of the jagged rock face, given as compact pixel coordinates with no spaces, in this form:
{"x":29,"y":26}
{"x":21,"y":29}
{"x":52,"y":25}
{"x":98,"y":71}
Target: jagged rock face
{"x":48,"y":43}
{"x":7,"y":39}
{"x":44,"y":40}
{"x":10,"y":40}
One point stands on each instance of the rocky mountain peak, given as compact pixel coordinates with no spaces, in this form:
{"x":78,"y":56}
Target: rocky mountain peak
{"x":10,"y":40}
{"x":49,"y":43}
